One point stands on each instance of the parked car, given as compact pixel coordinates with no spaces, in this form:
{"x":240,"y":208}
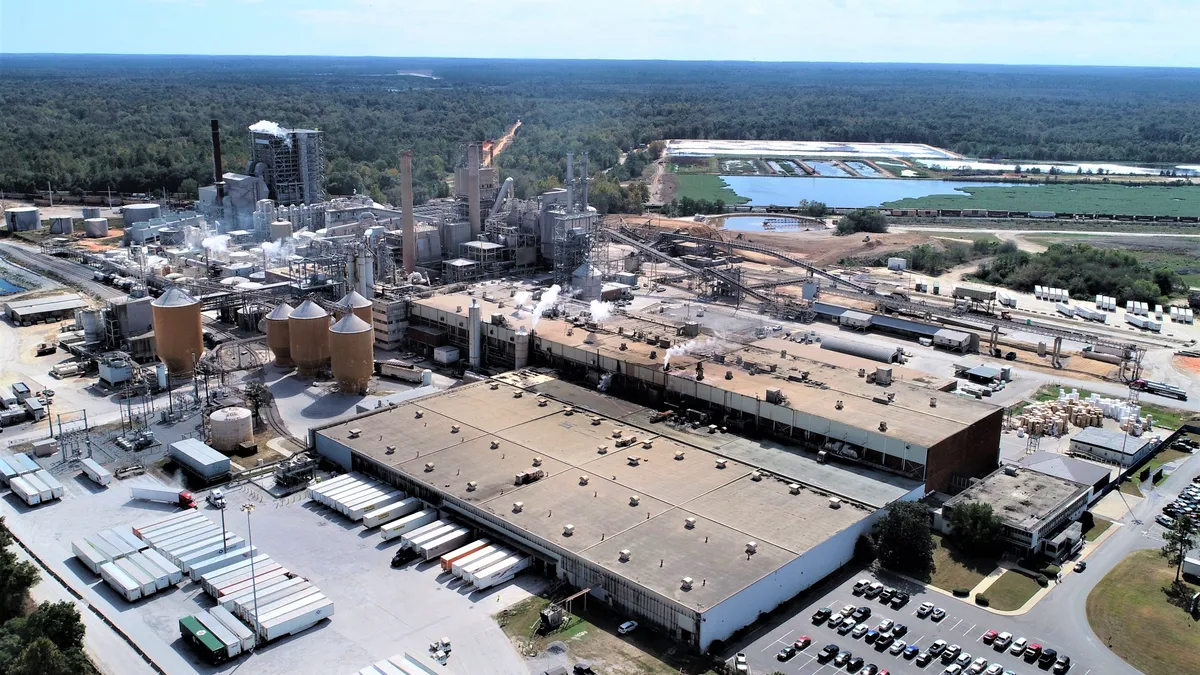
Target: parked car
{"x":862,"y":614}
{"x":821,"y":615}
{"x":1032,"y":652}
{"x":786,"y":653}
{"x":952,"y":669}
{"x":885,"y":640}
{"x":827,"y":652}
{"x":870,"y":669}
{"x":1002,"y":641}
{"x":802,"y":642}
{"x":846,"y":626}
{"x":897,"y":647}
{"x":627,"y":627}
{"x":739,"y":663}
{"x":859,"y":631}
{"x":978,"y":665}
{"x":885,"y":626}
{"x":911,"y":651}
{"x":836,"y":620}
{"x":842,"y":658}
{"x":924,"y":658}
{"x":873,"y":590}
{"x":899,"y":630}
{"x":899,"y":599}
{"x":1081,"y":566}
{"x":994,"y":669}
{"x":937,"y":647}
{"x":990,"y":637}
{"x":871,"y":636}
{"x":964,"y":659}
{"x":886,"y":594}
{"x":1165,"y":521}
{"x":937,"y":614}
{"x":1048,"y":657}
{"x":855,"y":663}
{"x":1062,"y":665}
{"x":860,"y":586}
{"x":924,"y":610}
{"x":1018,"y":646}
{"x":951,"y":653}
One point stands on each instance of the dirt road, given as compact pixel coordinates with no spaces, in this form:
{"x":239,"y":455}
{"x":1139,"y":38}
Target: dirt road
{"x":493,"y":149}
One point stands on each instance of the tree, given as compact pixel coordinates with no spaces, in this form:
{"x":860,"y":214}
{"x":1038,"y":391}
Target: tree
{"x":258,"y":395}
{"x":16,"y":577}
{"x":902,"y":538}
{"x":813,"y":209}
{"x":58,"y":621}
{"x":975,"y":527}
{"x":1177,"y":541}
{"x":41,"y":657}
{"x":862,"y":220}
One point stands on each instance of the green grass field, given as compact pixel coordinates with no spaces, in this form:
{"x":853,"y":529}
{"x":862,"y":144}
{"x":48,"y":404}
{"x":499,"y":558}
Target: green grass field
{"x":956,"y":569}
{"x":1181,"y":254}
{"x":1132,"y":613}
{"x":705,"y":186}
{"x":1011,"y":591}
{"x":1068,"y":198}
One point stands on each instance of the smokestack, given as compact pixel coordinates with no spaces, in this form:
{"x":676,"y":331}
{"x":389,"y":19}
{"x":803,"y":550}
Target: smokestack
{"x":473,"y":188}
{"x":406,"y":207}
{"x":218,"y":171}
{"x":570,"y":182}
{"x":583,"y":182}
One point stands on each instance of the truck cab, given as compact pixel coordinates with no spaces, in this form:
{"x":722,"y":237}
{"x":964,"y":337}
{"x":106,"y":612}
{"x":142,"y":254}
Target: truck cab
{"x":216,"y":499}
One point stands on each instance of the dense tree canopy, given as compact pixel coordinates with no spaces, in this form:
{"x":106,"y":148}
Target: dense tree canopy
{"x":902,"y":538}
{"x":862,"y":220}
{"x":140,"y":123}
{"x":975,"y":527}
{"x":1083,"y":270}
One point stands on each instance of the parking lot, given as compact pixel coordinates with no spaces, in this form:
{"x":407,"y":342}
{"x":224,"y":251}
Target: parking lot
{"x":964,"y":625}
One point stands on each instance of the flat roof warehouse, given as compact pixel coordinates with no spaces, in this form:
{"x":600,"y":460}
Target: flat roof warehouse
{"x":642,"y":517}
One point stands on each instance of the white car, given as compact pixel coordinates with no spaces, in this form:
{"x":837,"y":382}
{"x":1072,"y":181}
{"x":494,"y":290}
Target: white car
{"x":1018,"y":646}
{"x":739,"y":664}
{"x":897,"y":646}
{"x":836,"y":620}
{"x":859,"y":631}
{"x":994,"y":669}
{"x":924,"y":610}
{"x":1002,"y":641}
{"x":885,"y":626}
{"x":627,"y":627}
{"x":953,"y":669}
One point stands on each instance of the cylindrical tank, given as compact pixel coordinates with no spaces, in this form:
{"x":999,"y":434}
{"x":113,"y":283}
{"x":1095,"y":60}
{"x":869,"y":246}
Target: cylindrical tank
{"x":140,"y":213}
{"x":92,"y":322}
{"x":279,"y":229}
{"x":91,"y":212}
{"x":61,"y":225}
{"x":308,"y":337}
{"x":160,"y":372}
{"x":95,"y":227}
{"x":355,"y":304}
{"x":22,"y":218}
{"x":474,"y":333}
{"x":352,"y":353}
{"x":178,"y":334}
{"x":170,"y":236}
{"x":277,"y":334}
{"x":230,"y":426}
{"x":521,"y":346}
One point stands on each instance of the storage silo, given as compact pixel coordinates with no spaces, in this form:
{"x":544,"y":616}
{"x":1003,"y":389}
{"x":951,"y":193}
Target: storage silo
{"x":230,"y":426}
{"x":22,"y":218}
{"x":279,"y":229}
{"x":91,"y":212}
{"x":308,"y":337}
{"x":178,"y":333}
{"x":355,"y":304}
{"x":352,"y":354}
{"x":277,"y":334}
{"x":61,"y":225}
{"x":95,"y":227}
{"x":140,"y":213}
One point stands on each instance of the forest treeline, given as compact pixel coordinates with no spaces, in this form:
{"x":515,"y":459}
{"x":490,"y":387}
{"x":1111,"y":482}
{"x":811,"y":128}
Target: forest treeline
{"x":140,"y":124}
{"x":1085,"y":271}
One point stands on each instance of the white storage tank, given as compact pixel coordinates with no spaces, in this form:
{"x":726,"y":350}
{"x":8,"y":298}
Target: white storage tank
{"x":229,"y":427}
{"x":140,"y":213}
{"x":22,"y":219}
{"x":95,"y":227}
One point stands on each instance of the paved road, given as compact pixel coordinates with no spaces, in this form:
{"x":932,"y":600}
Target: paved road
{"x":1059,"y":620}
{"x":79,"y":275}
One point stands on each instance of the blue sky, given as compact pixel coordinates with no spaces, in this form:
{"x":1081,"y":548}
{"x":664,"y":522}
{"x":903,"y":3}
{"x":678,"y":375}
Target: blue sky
{"x":1071,"y":32}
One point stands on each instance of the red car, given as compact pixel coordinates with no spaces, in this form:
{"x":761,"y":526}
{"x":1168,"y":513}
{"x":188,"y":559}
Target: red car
{"x":1032,"y":652}
{"x":990,"y":637}
{"x":802,"y":642}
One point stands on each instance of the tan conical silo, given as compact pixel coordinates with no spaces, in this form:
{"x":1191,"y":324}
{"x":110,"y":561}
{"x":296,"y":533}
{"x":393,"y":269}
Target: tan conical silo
{"x":352,"y":353}
{"x":178,"y":334}
{"x":277,"y":334}
{"x":355,"y":303}
{"x":308,"y":337}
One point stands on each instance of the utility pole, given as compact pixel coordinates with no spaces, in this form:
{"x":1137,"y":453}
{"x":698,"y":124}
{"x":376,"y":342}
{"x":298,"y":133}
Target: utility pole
{"x":50,"y":190}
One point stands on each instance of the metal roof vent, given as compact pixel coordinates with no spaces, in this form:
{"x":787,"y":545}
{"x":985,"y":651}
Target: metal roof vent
{"x":602,"y":449}
{"x":518,"y":394}
{"x":537,"y":461}
{"x":882,"y":426}
{"x":454,"y":428}
{"x":495,"y":444}
{"x":634,"y":460}
{"x":517,"y":506}
{"x":794,"y":488}
{"x":568,"y":530}
{"x":428,"y":467}
{"x":633,"y":500}
{"x":1010,"y":469}
{"x":839,"y":405}
{"x":390,"y":450}
{"x":689,"y":523}
{"x":653,"y":354}
{"x":624,"y":555}
{"x":568,"y":410}
{"x":583,"y":480}
{"x":596,"y":421}
{"x":685,"y":584}
{"x":419,"y":414}
{"x":862,"y":372}
{"x":616,"y":433}
{"x":494,"y":386}
{"x":678,"y":455}
{"x":729,"y":374}
{"x":458,"y":309}
{"x":355,"y":433}
{"x":471,"y":485}
{"x":542,"y":402}
{"x":835,"y":503}
{"x":751,"y":547}
{"x":932,"y":401}
{"x":756,"y":476}
{"x":721,"y":463}
{"x":647,"y":444}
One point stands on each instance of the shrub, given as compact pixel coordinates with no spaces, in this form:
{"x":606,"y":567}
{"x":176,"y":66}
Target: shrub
{"x":982,"y":600}
{"x":962,"y":592}
{"x":1043,"y":580}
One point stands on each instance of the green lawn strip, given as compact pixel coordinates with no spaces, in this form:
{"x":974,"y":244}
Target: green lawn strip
{"x":706,"y":187}
{"x":955,"y":569}
{"x":1011,"y":591}
{"x":1131,"y":612}
{"x":1099,"y":527}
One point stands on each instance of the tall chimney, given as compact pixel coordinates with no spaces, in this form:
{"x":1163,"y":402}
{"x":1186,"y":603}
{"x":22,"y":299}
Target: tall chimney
{"x":218,"y":171}
{"x":406,"y":207}
{"x":570,"y":182}
{"x":583,"y":182}
{"x":473,"y":189}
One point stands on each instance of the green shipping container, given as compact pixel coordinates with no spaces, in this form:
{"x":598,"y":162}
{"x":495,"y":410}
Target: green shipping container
{"x":205,"y":642}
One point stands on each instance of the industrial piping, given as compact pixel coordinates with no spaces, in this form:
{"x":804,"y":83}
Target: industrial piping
{"x":473,"y":189}
{"x":406,"y":206}
{"x":218,"y":171}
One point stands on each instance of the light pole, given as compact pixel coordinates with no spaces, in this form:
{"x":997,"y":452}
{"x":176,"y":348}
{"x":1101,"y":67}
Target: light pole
{"x":224,"y":532}
{"x":248,"y":509}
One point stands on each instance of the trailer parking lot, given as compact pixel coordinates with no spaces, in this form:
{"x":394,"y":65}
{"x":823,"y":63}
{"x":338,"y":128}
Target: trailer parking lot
{"x":379,"y":611}
{"x":964,"y":625}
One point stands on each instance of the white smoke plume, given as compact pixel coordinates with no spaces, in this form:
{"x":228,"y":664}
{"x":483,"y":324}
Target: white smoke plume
{"x":278,"y":252}
{"x":549,"y":297}
{"x":217,"y":244}
{"x":600,"y":311}
{"x":273,"y":128}
{"x":521,"y":299}
{"x":685,"y":348}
